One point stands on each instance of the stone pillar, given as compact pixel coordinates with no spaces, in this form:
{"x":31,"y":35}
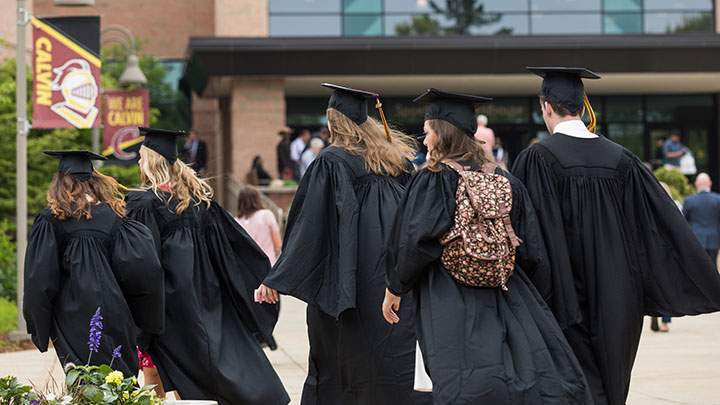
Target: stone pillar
{"x":717,"y":16}
{"x":242,"y":18}
{"x":257,"y":110}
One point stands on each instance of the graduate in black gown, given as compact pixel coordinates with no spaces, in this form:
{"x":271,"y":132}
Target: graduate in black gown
{"x":213,"y":331}
{"x":479,"y":345}
{"x":618,"y":246}
{"x":335,"y":236}
{"x":83,"y":255}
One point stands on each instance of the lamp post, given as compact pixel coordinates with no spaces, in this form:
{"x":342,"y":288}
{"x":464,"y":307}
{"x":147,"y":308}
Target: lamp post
{"x":22,"y":127}
{"x":132,"y":73}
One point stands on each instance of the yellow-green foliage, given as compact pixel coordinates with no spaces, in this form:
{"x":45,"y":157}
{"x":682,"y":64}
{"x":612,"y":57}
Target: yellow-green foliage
{"x":8,"y":316}
{"x":678,"y":183}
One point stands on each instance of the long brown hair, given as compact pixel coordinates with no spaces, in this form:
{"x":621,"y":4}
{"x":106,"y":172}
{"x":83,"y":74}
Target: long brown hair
{"x":452,"y":143}
{"x":369,"y":140}
{"x":249,"y":201}
{"x":67,"y":196}
{"x":178,"y":178}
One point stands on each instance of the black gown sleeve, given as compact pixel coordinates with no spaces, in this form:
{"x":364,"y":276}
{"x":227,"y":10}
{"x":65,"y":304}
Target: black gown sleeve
{"x":136,"y":266}
{"x":319,"y":259}
{"x":241,"y":265}
{"x":531,"y":256}
{"x":42,"y":279}
{"x":535,"y":173}
{"x":424,"y":214}
{"x":678,"y":276}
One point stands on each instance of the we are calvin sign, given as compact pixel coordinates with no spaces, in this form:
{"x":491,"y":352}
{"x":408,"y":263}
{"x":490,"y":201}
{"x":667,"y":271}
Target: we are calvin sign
{"x":67,"y":80}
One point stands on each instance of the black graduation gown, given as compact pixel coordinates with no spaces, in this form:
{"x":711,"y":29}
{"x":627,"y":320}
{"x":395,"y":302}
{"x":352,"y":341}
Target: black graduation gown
{"x":336,"y":231}
{"x":211,"y":345}
{"x":74,"y":266}
{"x":619,"y":249}
{"x":480,"y":345}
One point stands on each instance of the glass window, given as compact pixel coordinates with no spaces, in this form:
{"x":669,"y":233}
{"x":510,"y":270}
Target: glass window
{"x":624,"y":109}
{"x":362,"y":25}
{"x":679,"y":5}
{"x":304,"y":6}
{"x":565,"y":5}
{"x":697,"y":141}
{"x":675,"y":109}
{"x":423,"y":24}
{"x":566,"y":24}
{"x":677,"y":23}
{"x":622,"y":23}
{"x":622,"y":5}
{"x":311,"y":25}
{"x":505,"y":5}
{"x":515,"y":24}
{"x":362,"y":6}
{"x":407,"y":6}
{"x":505,"y":110}
{"x":629,"y":136}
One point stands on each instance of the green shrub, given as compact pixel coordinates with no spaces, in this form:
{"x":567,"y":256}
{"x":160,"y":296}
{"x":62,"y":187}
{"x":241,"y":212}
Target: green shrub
{"x":8,"y":316}
{"x":128,"y":176}
{"x":8,"y":262}
{"x":678,"y":183}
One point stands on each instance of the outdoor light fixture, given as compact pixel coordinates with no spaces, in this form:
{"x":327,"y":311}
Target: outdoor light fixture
{"x":132,"y":73}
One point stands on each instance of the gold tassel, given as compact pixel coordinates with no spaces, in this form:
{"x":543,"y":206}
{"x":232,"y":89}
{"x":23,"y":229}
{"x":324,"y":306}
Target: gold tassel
{"x":120,"y":186}
{"x":593,"y":121}
{"x":378,"y":105}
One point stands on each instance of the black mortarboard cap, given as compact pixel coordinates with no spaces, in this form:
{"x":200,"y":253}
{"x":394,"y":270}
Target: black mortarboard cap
{"x":162,"y":141}
{"x":76,"y":163}
{"x":455,"y":108}
{"x":351,"y":102}
{"x":564,"y":85}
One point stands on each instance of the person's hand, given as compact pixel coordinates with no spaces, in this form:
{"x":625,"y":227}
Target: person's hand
{"x":391,"y":302}
{"x":267,"y":294}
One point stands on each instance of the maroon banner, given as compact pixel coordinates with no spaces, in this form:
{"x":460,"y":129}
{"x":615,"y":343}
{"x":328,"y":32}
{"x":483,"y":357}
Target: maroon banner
{"x":124,"y":111}
{"x":66,"y":90}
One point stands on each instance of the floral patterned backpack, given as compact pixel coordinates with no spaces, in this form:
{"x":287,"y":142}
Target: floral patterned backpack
{"x":479,"y":249}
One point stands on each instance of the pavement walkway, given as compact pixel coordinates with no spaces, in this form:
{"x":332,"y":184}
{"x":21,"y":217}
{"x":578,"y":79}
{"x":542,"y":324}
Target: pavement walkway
{"x":679,"y":367}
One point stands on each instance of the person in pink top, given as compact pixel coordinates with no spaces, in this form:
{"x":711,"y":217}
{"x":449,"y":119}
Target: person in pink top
{"x":258,"y":222}
{"x":486,"y":135}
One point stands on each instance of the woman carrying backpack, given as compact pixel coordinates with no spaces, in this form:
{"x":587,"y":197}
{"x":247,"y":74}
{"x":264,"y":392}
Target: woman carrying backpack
{"x":498,"y":342}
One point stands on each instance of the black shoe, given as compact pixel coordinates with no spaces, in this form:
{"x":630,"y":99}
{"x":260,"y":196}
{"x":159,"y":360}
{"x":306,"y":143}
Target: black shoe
{"x":654,"y":325}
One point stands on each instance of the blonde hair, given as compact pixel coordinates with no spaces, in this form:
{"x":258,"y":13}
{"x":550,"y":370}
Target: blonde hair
{"x":178,"y":178}
{"x":452,"y":143}
{"x":67,"y":196}
{"x":382,"y":155}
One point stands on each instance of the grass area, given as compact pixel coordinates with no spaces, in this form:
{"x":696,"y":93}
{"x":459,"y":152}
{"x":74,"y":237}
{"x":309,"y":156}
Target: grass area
{"x":8,"y":316}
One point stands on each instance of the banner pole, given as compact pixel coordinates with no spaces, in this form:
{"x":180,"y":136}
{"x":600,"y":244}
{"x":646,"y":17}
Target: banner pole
{"x":21,"y":162}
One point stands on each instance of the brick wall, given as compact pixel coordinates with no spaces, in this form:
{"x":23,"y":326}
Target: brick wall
{"x":8,"y":29}
{"x":164,"y":25}
{"x":241,"y":18}
{"x":257,"y":111}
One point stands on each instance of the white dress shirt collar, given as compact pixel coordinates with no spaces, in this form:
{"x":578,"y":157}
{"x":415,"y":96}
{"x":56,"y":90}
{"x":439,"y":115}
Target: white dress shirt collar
{"x":574,"y":128}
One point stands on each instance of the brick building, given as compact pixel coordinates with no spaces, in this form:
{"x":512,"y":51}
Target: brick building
{"x":255,"y":65}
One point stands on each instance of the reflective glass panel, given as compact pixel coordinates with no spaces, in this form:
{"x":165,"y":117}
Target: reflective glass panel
{"x":622,"y":23}
{"x":507,"y":24}
{"x":566,"y":23}
{"x":624,"y":109}
{"x":312,"y":25}
{"x":697,"y":141}
{"x":408,"y":6}
{"x":678,"y":23}
{"x":505,"y":110}
{"x":628,"y":135}
{"x":622,"y":5}
{"x":422,"y":24}
{"x":305,"y":6}
{"x":362,"y":25}
{"x":504,"y":5}
{"x":362,"y":6}
{"x":679,"y":5}
{"x":565,"y":5}
{"x":674,"y":109}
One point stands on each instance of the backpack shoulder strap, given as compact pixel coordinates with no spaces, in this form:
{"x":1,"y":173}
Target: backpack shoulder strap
{"x":453,"y":165}
{"x":489,"y":167}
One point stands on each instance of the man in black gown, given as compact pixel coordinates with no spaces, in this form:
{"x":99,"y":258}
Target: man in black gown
{"x":618,"y":246}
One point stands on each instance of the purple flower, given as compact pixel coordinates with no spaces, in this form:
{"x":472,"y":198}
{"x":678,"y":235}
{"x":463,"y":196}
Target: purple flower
{"x":95,"y":333}
{"x":116,"y":355}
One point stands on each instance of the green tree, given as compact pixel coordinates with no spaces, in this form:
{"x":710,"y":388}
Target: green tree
{"x":465,"y":14}
{"x":699,"y":23}
{"x":419,"y":25}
